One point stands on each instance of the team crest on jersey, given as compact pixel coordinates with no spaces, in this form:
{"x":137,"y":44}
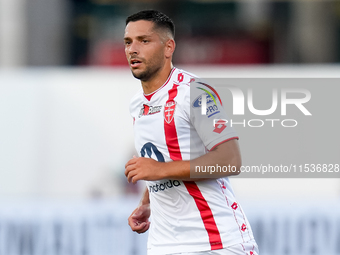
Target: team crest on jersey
{"x":169,"y":111}
{"x":149,"y":110}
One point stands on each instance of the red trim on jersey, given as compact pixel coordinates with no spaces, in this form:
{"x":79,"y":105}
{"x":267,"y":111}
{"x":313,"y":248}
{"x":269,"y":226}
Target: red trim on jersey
{"x":149,"y":96}
{"x":244,"y":218}
{"x":206,"y":214}
{"x":243,"y":247}
{"x":232,"y":138}
{"x":239,"y":227}
{"x":171,"y":132}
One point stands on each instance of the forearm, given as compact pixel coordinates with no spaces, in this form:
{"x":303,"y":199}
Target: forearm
{"x":226,"y":154}
{"x":145,"y":197}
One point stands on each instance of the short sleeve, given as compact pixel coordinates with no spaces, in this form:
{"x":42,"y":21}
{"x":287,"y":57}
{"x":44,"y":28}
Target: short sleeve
{"x":213,"y":127}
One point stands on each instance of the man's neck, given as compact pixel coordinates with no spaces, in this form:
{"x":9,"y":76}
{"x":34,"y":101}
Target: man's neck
{"x":157,"y":81}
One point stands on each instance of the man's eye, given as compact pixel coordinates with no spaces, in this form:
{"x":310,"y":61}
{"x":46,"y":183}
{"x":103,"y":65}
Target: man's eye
{"x":127,"y":43}
{"x":145,"y":41}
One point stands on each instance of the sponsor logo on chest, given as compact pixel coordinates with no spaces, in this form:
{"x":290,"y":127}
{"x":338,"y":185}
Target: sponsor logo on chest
{"x":163,"y":186}
{"x":149,"y":110}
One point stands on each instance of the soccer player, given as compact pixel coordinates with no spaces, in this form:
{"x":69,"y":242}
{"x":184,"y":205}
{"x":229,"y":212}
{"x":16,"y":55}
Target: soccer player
{"x":189,"y":216}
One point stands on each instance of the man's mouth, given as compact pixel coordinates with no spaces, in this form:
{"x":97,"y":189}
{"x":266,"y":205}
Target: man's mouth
{"x":135,"y":63}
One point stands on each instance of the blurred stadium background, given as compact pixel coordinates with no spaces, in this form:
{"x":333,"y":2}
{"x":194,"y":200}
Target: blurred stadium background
{"x":66,"y":133}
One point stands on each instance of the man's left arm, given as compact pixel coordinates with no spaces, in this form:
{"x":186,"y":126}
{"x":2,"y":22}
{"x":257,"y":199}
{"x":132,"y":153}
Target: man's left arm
{"x":225,"y":154}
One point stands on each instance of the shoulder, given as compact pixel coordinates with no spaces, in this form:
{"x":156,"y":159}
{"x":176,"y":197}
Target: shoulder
{"x":190,"y":87}
{"x":182,"y":77}
{"x":189,"y":83}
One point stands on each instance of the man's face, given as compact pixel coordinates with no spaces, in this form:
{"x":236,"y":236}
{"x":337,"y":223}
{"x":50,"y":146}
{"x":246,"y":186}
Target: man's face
{"x":144,"y":49}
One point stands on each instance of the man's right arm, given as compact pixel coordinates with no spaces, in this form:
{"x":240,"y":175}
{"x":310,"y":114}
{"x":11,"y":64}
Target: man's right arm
{"x":139,"y":218}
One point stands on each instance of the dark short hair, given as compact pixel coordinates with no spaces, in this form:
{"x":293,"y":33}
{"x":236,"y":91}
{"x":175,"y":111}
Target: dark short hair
{"x":158,"y":18}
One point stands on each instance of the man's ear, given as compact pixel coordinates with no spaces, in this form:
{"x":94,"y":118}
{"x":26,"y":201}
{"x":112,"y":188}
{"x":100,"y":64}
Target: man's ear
{"x":170,"y":46}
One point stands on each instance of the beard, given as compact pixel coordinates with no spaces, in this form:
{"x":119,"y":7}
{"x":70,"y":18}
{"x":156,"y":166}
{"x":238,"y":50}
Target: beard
{"x":151,"y":68}
{"x":145,"y":75}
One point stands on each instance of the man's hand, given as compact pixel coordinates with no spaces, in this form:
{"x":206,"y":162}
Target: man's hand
{"x":139,"y":219}
{"x":224,"y":154}
{"x":143,"y":169}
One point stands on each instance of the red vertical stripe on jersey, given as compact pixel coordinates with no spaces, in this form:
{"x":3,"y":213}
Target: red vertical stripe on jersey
{"x":202,"y":205}
{"x":170,"y":131}
{"x":206,"y":214}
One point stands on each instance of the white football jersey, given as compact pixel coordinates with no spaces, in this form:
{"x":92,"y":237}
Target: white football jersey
{"x":168,"y":125}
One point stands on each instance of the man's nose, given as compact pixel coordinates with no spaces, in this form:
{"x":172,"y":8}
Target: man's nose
{"x":133,"y":49}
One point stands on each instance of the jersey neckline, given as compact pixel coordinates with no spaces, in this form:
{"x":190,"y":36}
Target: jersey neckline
{"x":149,"y":96}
